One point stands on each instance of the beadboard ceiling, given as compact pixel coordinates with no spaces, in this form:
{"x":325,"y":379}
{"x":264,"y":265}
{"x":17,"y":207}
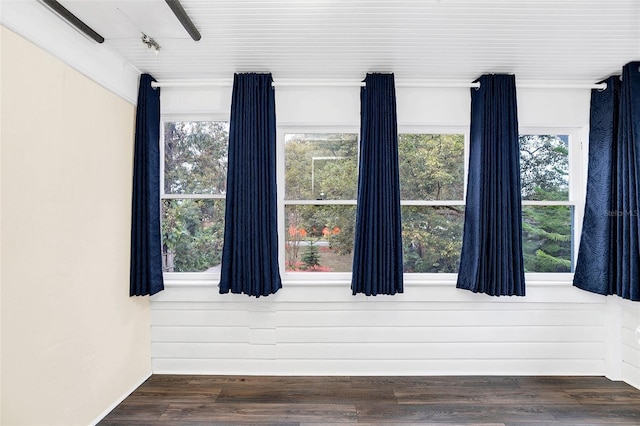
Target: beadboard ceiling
{"x":558,"y":40}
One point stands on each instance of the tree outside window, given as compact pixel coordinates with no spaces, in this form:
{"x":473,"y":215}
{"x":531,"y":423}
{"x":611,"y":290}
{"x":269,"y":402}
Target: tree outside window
{"x":195,"y":180}
{"x":432,"y":192}
{"x":547,"y":213}
{"x":321,"y":179}
{"x":320,"y":191}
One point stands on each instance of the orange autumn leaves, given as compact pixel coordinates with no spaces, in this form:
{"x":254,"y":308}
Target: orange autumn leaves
{"x":326,"y":232}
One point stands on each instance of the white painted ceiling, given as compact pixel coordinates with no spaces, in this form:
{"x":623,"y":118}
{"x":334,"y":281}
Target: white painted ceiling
{"x":561,"y":40}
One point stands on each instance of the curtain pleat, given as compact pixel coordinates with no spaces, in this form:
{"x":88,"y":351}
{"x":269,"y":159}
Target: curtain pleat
{"x":377,"y":258}
{"x":609,"y":257}
{"x":146,"y":242}
{"x":491,"y":261}
{"x":250,"y":251}
{"x":593,"y":270}
{"x":627,"y":283}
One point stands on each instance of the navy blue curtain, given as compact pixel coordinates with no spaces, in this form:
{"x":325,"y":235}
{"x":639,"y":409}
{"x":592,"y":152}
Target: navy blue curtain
{"x":608,"y":257}
{"x":491,"y":261}
{"x":250,"y":252}
{"x":377,"y":257}
{"x":146,"y":245}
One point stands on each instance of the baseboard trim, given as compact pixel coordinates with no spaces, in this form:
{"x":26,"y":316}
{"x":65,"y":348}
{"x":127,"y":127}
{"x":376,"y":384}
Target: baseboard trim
{"x":119,"y":400}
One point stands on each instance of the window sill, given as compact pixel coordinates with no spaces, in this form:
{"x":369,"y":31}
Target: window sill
{"x":197,"y":279}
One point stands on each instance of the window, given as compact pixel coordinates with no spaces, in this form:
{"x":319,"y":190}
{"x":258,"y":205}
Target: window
{"x":320,"y":184}
{"x":547,"y":209}
{"x":318,"y":177}
{"x":432,"y":201}
{"x":194,"y":180}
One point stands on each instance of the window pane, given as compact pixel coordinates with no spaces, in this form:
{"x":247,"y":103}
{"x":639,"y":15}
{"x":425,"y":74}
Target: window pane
{"x":321,"y":166}
{"x":431,"y":167}
{"x":319,"y":238}
{"x":544,"y":167}
{"x":547,"y":238}
{"x":195,"y":157}
{"x":432,"y":238}
{"x":192,"y":235}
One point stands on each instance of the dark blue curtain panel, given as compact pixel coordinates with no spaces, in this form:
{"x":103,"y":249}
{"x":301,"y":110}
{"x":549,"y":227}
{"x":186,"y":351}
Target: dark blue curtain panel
{"x":250,"y":251}
{"x":491,"y":261}
{"x":146,"y":241}
{"x":377,"y":257}
{"x":595,"y":262}
{"x":609,"y":257}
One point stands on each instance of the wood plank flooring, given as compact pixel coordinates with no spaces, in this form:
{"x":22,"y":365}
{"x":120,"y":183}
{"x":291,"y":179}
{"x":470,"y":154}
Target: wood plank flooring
{"x":461,"y":400}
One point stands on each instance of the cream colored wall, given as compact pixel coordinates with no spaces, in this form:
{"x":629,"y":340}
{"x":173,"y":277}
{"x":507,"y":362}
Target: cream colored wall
{"x":73,"y":342}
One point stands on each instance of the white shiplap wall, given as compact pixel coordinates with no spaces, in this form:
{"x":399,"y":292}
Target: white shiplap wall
{"x":318,"y":327}
{"x":630,"y":343}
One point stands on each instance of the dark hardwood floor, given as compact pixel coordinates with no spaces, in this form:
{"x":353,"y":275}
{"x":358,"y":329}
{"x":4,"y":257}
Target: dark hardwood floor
{"x":462,"y":400}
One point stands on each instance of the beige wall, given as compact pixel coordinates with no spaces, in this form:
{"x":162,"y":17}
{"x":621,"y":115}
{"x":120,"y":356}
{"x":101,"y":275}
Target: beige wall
{"x":73,"y":342}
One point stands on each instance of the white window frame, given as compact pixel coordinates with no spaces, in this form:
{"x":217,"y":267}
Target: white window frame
{"x":578,"y":137}
{"x":305,"y":277}
{"x":578,"y":159}
{"x":436,"y":277}
{"x":187,"y":278}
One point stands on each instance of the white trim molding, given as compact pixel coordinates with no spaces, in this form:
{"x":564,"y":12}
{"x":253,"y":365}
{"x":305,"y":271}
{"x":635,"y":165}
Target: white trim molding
{"x":34,"y":22}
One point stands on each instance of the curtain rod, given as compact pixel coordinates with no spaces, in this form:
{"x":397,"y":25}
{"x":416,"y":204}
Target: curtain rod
{"x":406,"y":83}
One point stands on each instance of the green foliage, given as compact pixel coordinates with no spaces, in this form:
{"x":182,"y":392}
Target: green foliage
{"x":544,"y":167}
{"x":195,"y":162}
{"x":192,"y":234}
{"x":431,"y":166}
{"x":332,"y":223}
{"x":432,"y":238}
{"x":325,"y":166}
{"x":311,"y":256}
{"x":321,"y":166}
{"x":547,"y":238}
{"x":547,"y":231}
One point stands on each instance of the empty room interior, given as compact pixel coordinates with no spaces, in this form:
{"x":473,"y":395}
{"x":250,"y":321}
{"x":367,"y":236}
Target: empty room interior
{"x":319,"y":211}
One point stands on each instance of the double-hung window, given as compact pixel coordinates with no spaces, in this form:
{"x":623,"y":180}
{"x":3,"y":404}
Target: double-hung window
{"x":317,"y":184}
{"x":432,"y":188}
{"x":194,"y":181}
{"x":320,"y":191}
{"x":548,"y":205}
{"x":320,"y":180}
